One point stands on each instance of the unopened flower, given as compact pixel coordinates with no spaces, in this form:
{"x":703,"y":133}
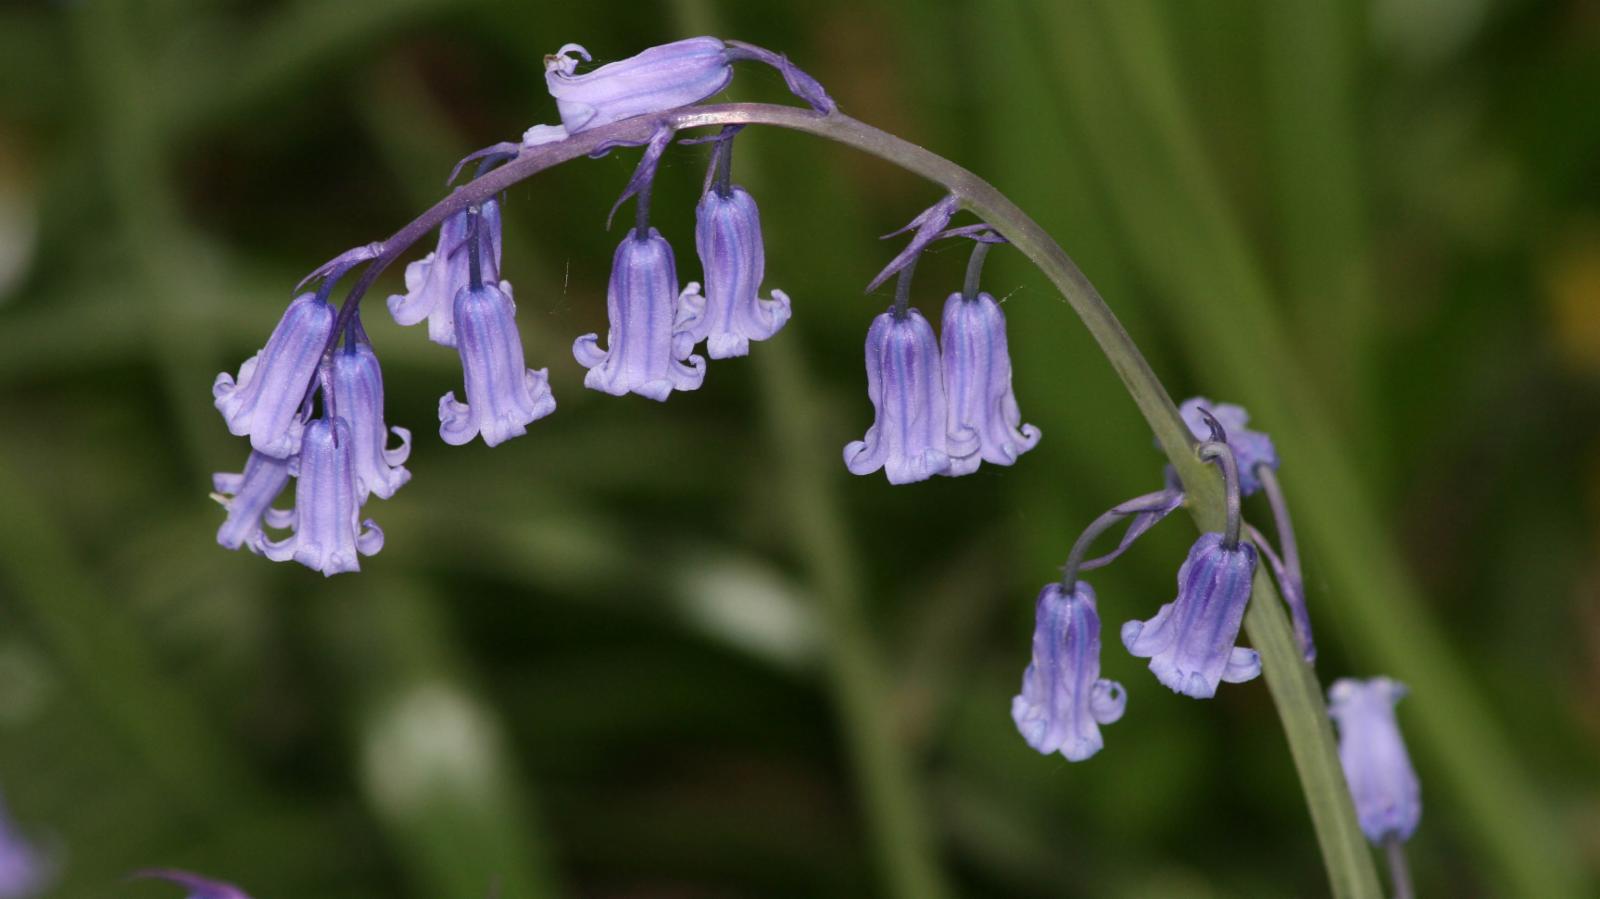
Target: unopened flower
{"x":1064,"y":699}
{"x":358,"y":389}
{"x":1190,"y":642}
{"x":641,"y":304}
{"x":1250,"y":448}
{"x":198,"y":887}
{"x":503,"y":395}
{"x":1373,"y":754}
{"x":265,"y":400}
{"x":328,"y":530}
{"x":433,"y":281}
{"x":729,"y":314}
{"x":907,"y":437}
{"x":985,"y":424}
{"x":248,"y":498}
{"x":660,"y":78}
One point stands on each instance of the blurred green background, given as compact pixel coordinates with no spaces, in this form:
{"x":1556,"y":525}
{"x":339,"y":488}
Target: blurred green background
{"x":675,"y":650}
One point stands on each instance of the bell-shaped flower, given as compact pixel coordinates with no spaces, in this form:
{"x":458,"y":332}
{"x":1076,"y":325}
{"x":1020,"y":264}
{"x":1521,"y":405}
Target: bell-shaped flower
{"x":660,"y":78}
{"x":641,"y":303}
{"x":503,"y":395}
{"x":1382,"y":782}
{"x":1190,"y":642}
{"x":265,"y":400}
{"x":1064,"y":699}
{"x":328,"y":530}
{"x":985,"y":423}
{"x":248,"y":498}
{"x":358,"y":389}
{"x":433,"y":281}
{"x":907,"y":437}
{"x":198,"y":887}
{"x":1250,"y":448}
{"x":729,"y":314}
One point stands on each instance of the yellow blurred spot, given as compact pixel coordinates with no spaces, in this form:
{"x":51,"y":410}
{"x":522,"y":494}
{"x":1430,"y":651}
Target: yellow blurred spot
{"x":1572,"y":289}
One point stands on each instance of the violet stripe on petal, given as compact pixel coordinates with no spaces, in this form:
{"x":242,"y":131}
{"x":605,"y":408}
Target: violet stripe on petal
{"x":1190,"y":641}
{"x":358,"y":386}
{"x":503,"y":395}
{"x":663,"y":77}
{"x":906,"y":387}
{"x":328,"y":530}
{"x":1064,"y":699}
{"x":265,"y":400}
{"x":729,"y":313}
{"x":985,"y":424}
{"x":641,"y":304}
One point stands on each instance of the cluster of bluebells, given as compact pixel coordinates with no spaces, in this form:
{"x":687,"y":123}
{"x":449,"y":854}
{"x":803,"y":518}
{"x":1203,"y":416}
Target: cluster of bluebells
{"x":1191,"y":642}
{"x":311,"y":401}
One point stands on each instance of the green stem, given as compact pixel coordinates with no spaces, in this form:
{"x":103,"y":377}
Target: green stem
{"x":1293,"y":684}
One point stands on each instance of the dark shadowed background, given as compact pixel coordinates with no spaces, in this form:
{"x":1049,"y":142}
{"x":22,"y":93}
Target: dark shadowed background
{"x":649,"y":650}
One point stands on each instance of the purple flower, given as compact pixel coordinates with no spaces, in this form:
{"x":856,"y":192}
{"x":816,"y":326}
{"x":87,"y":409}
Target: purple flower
{"x":504,"y":395}
{"x":265,"y":402}
{"x":660,"y":78}
{"x":198,"y":887}
{"x":1064,"y":699}
{"x":985,"y":423}
{"x":328,"y":531}
{"x":1190,"y":641}
{"x":358,"y":397}
{"x":25,"y":871}
{"x":1250,"y":448}
{"x":433,"y":281}
{"x":1382,"y":783}
{"x":248,"y":498}
{"x":641,"y":304}
{"x":907,"y":438}
{"x":729,"y":314}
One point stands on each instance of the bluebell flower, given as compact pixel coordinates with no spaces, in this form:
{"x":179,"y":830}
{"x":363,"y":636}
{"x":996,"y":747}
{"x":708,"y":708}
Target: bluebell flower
{"x":729,"y":314}
{"x":1373,"y":754}
{"x":985,"y":424}
{"x":660,"y":78}
{"x":503,"y":395}
{"x":25,"y":870}
{"x":198,"y":887}
{"x":328,"y":530}
{"x":904,"y":382}
{"x":1064,"y":699}
{"x":1250,"y":448}
{"x":641,"y":304}
{"x":433,"y":281}
{"x":248,"y":498}
{"x":265,"y":401}
{"x":1190,"y":642}
{"x":358,"y":389}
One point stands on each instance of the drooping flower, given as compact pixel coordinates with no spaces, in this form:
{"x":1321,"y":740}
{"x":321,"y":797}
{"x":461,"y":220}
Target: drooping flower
{"x":503,"y":395}
{"x":1250,"y":448}
{"x":248,"y":498}
{"x":265,"y":401}
{"x":198,"y":887}
{"x":25,"y":870}
{"x":1382,"y":782}
{"x":985,"y":424}
{"x":1190,"y":642}
{"x":907,"y":437}
{"x":660,"y":78}
{"x":1064,"y":699}
{"x":641,"y":303}
{"x":433,"y":281}
{"x":328,"y":530}
{"x":729,"y":314}
{"x":358,"y":385}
